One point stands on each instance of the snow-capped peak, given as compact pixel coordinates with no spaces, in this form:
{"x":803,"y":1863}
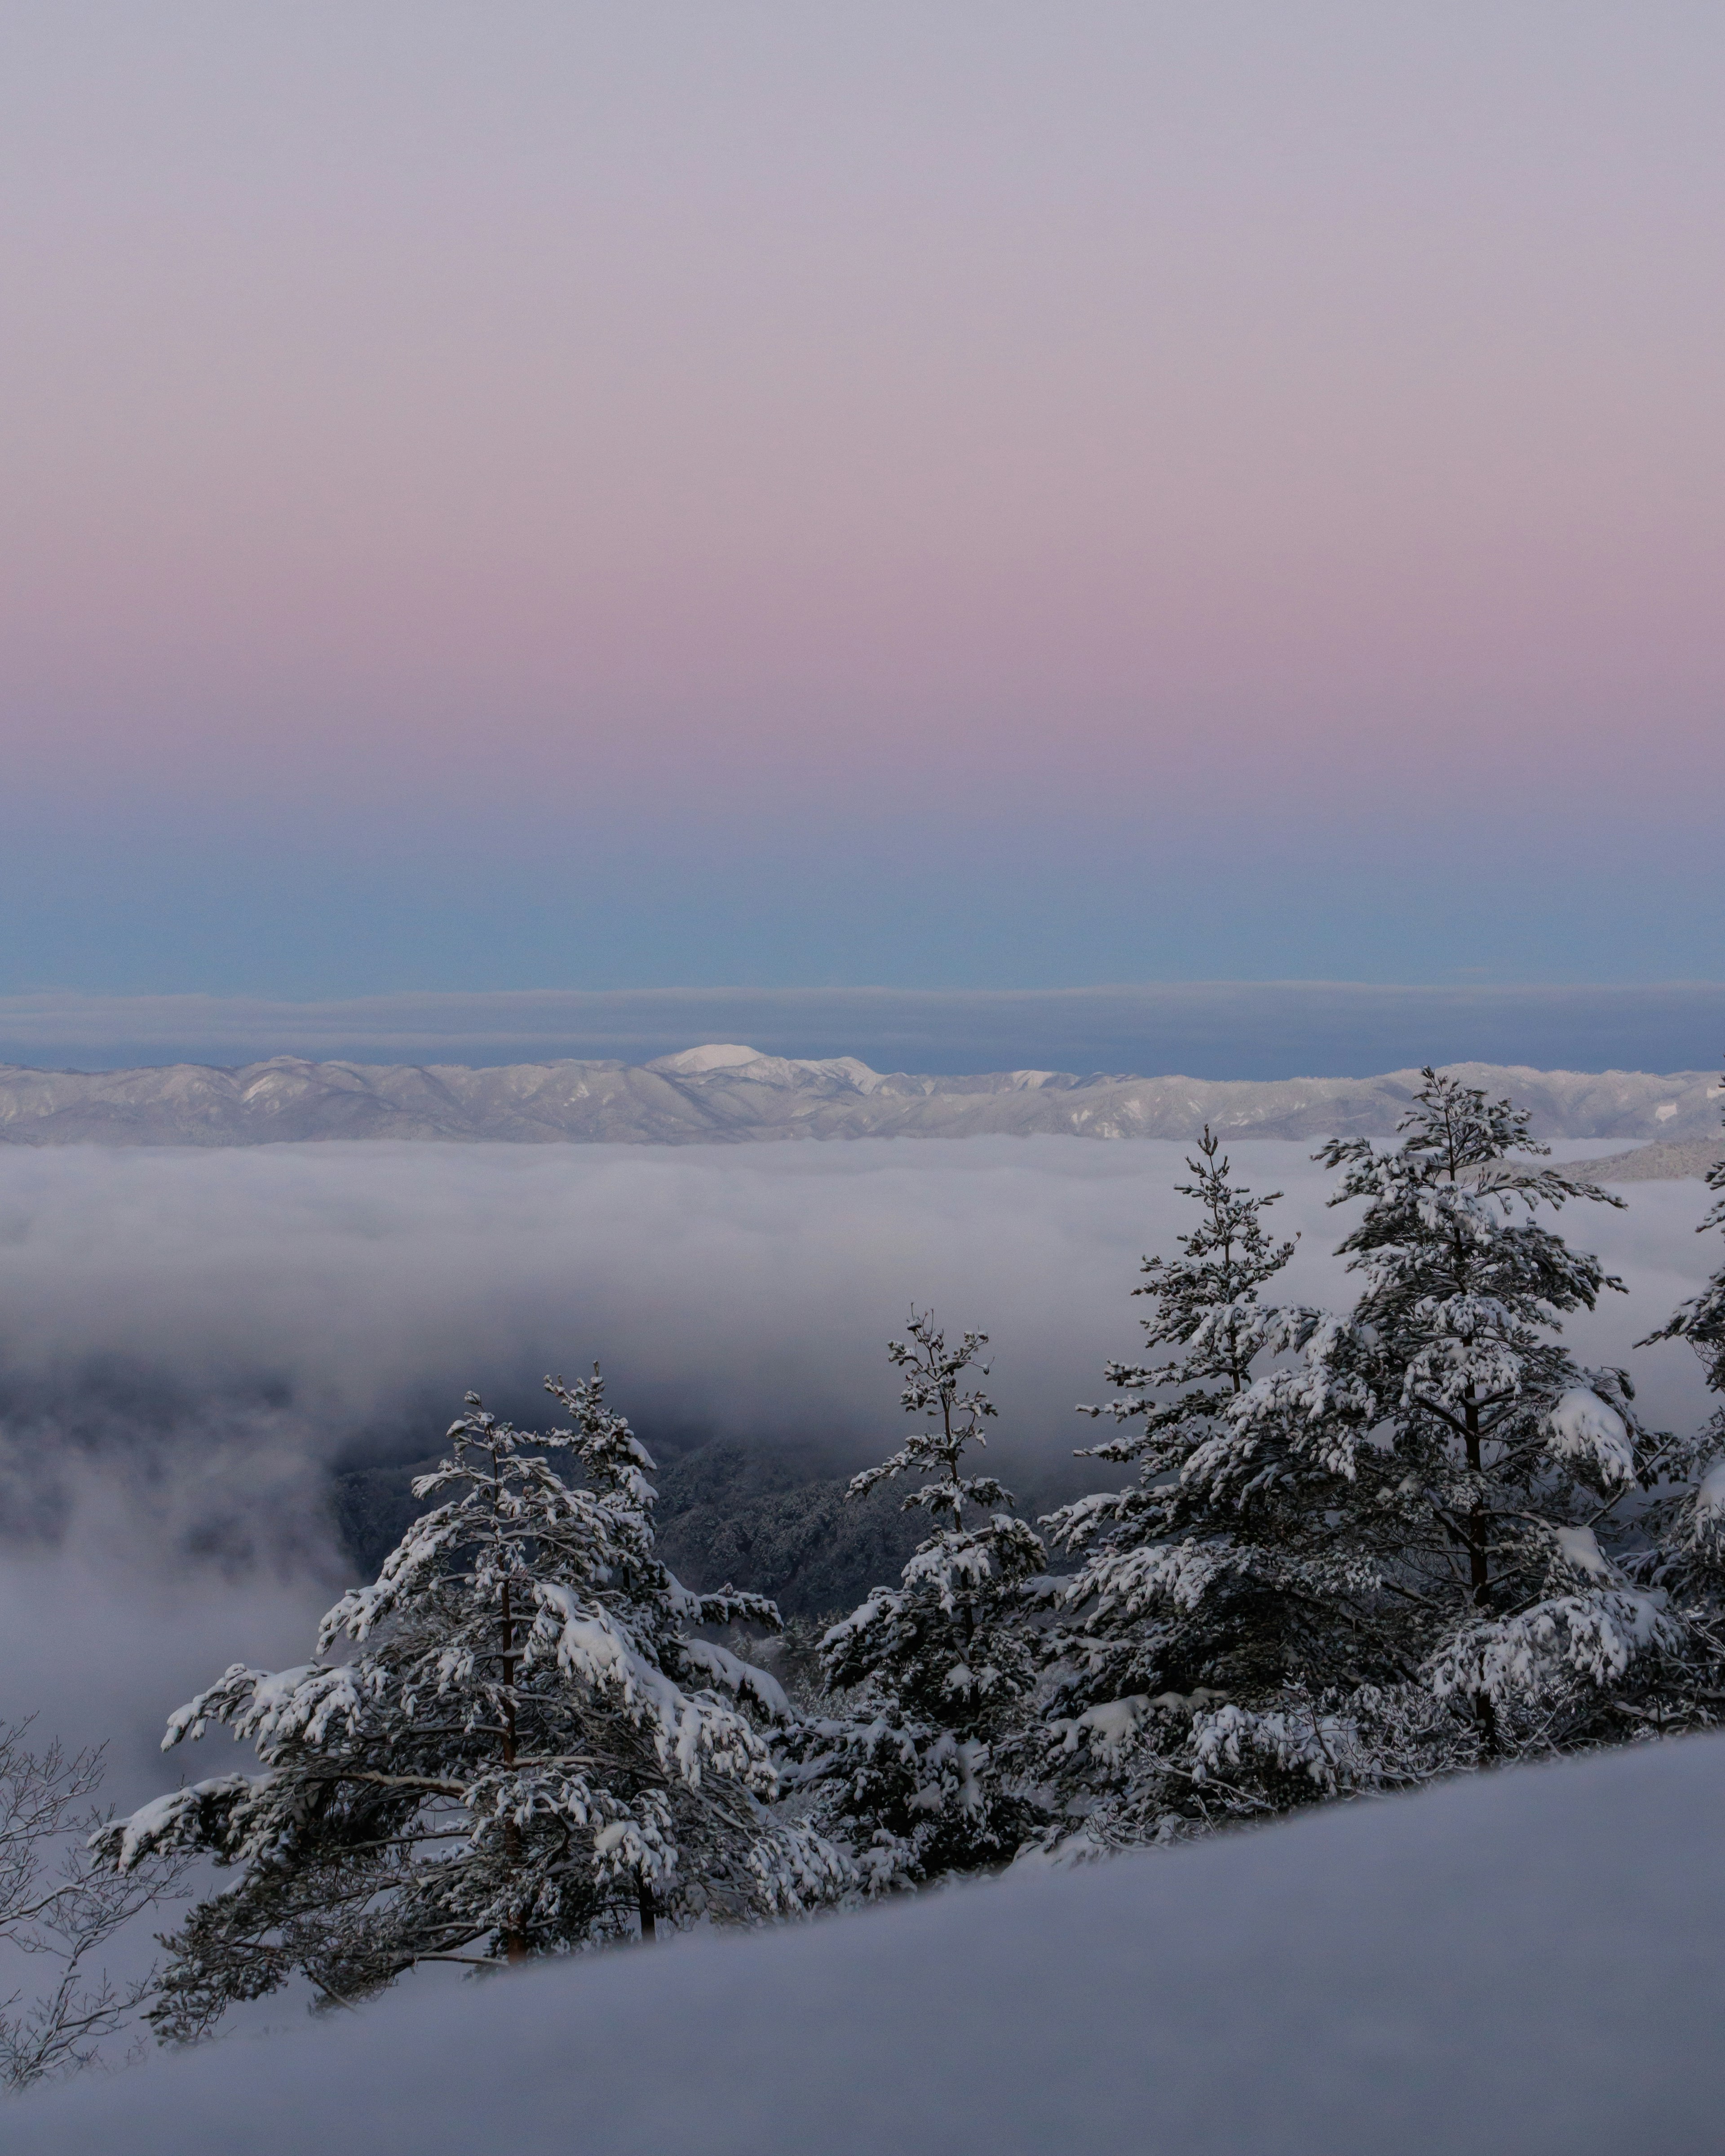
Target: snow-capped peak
{"x":723,"y":1058}
{"x":714,"y":1055}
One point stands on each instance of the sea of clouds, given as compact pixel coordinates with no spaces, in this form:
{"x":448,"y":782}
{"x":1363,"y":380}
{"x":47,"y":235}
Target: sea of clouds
{"x":190,"y":1341}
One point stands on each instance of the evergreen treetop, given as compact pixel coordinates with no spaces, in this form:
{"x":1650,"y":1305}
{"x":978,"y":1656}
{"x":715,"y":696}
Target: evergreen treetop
{"x":1364,"y":1548}
{"x":1700,"y":1320}
{"x":916,"y":1769}
{"x":1686,"y":1521}
{"x":1505,"y":1461}
{"x":1207,"y":1581}
{"x":508,"y":1745}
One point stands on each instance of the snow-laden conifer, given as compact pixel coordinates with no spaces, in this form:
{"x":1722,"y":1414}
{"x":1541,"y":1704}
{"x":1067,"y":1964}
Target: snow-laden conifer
{"x":509,"y":1744}
{"x":1686,"y":1556}
{"x":1369,"y":1547}
{"x":1504,"y":1502}
{"x":916,"y":1768}
{"x":1700,"y":1320}
{"x":1203,"y":1614}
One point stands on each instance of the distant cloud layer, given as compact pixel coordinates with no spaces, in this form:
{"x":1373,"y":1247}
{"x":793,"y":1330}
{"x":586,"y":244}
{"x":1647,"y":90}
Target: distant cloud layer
{"x":187,"y":1341}
{"x":1200,"y":1029}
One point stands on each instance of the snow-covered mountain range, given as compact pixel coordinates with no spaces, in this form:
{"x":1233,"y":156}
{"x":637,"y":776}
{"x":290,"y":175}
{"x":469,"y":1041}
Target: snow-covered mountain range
{"x":721,"y":1093}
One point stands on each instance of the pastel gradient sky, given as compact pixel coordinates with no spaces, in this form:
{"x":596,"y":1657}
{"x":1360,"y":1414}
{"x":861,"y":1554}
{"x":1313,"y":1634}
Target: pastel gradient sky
{"x":514,"y":495}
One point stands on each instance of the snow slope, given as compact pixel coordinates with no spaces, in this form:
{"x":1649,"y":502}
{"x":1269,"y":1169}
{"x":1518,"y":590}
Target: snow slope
{"x":1517,"y":1965}
{"x":726,"y":1092}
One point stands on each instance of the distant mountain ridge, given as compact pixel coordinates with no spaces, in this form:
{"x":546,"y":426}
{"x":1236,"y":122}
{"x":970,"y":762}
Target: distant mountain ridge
{"x":722,"y":1092}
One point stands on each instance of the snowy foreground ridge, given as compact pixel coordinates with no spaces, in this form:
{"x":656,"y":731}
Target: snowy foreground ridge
{"x":723,"y":1093}
{"x":1525,"y":1963}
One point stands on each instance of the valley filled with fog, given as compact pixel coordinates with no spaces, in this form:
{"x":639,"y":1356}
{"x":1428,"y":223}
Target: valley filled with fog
{"x":193,"y":1344}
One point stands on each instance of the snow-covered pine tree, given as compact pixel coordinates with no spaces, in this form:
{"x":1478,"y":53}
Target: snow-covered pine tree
{"x":1402,"y":1547}
{"x":1207,"y":1583}
{"x":1700,"y":1320}
{"x":508,"y":1745}
{"x":1686,"y":1557}
{"x":1492,"y":1497}
{"x":915,"y":1770}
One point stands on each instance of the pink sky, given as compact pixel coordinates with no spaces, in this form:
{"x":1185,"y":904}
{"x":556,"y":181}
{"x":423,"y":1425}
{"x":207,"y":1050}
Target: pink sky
{"x":431,"y":404}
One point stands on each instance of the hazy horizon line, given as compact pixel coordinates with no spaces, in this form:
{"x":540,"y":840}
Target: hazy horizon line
{"x":1217,"y":1029}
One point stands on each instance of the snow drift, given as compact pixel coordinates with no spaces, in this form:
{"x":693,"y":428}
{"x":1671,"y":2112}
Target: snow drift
{"x":1527,"y":1962}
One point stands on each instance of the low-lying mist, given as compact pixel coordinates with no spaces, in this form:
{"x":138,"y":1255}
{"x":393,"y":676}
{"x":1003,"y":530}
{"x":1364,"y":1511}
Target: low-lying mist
{"x":191,"y":1341}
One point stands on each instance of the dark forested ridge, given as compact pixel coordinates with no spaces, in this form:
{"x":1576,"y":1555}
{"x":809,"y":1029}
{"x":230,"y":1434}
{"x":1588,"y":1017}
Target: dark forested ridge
{"x":764,"y":1516}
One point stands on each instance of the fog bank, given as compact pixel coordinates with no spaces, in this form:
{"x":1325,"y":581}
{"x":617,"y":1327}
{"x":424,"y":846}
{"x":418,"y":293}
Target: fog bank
{"x":188,"y":1341}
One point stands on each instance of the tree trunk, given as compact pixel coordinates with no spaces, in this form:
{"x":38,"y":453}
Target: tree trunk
{"x":645,"y":1893}
{"x":1479,"y":1573}
{"x":515,"y":1943}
